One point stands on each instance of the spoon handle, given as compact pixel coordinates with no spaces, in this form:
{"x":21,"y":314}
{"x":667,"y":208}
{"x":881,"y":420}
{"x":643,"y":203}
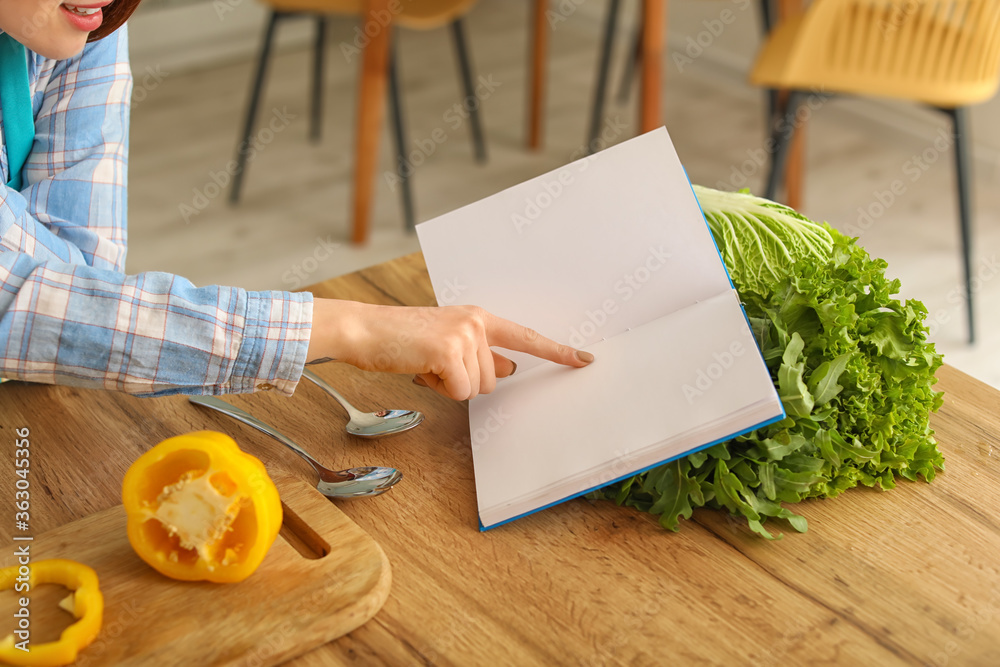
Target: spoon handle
{"x":248,"y":419}
{"x":351,"y":410}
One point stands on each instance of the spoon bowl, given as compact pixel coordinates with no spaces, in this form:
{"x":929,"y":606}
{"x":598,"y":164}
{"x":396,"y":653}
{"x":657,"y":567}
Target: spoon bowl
{"x":351,"y":483}
{"x":368,"y":481}
{"x":369,"y":424}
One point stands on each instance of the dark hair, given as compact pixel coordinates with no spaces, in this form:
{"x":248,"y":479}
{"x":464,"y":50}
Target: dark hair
{"x":115,"y":15}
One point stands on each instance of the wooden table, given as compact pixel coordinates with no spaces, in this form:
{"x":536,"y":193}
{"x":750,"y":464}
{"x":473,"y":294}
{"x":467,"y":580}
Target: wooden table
{"x":910,"y":576}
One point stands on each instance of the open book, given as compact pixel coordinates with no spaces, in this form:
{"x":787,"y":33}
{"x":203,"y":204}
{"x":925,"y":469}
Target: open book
{"x":610,"y":254}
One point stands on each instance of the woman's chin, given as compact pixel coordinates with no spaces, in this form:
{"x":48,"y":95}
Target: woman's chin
{"x":58,"y":48}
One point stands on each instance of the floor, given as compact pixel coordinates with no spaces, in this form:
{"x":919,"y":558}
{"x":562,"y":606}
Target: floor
{"x":291,"y":227}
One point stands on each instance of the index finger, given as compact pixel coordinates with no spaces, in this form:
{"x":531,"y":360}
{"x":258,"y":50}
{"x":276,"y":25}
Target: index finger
{"x":513,"y":336}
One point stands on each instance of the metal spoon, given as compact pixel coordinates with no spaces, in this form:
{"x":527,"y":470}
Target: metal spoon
{"x":350,"y":483}
{"x":370,"y":424}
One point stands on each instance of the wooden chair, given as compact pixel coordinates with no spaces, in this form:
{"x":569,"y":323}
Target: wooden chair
{"x":379,"y":70}
{"x":651,"y":45}
{"x":635,"y":52}
{"x":943,"y":53}
{"x":648,"y":48}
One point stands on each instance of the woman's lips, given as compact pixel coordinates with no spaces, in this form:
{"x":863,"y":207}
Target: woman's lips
{"x":84,"y":18}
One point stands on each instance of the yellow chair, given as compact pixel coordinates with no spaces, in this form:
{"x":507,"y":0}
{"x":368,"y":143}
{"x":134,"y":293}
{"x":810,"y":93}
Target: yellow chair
{"x":379,"y":69}
{"x":944,"y":53}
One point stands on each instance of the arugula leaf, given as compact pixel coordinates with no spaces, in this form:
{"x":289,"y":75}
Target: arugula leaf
{"x":851,"y":364}
{"x":675,"y":488}
{"x":823,"y":381}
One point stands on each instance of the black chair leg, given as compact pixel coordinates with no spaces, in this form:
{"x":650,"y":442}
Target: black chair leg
{"x":963,"y":172}
{"x":316,"y":107}
{"x":243,"y":148}
{"x":635,"y":57}
{"x":781,"y":139}
{"x":403,"y":169}
{"x":766,"y":15}
{"x":597,"y":112}
{"x":472,"y":101}
{"x":767,"y":22}
{"x":631,"y":63}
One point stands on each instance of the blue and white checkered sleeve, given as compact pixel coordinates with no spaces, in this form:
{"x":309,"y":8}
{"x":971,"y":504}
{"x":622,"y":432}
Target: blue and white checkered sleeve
{"x":148,"y":334}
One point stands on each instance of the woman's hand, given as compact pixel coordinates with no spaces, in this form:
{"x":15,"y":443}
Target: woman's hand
{"x":447,"y":348}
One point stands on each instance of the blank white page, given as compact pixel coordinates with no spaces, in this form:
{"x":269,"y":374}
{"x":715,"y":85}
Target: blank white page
{"x":584,"y":252}
{"x":679,"y":382}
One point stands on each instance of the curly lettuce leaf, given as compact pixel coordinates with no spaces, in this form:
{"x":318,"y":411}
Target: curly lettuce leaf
{"x":851,"y":364}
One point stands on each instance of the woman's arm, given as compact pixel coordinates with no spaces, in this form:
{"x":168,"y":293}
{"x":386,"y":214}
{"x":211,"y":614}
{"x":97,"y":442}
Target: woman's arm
{"x":73,"y":206}
{"x":147,"y":334}
{"x":157,"y":334}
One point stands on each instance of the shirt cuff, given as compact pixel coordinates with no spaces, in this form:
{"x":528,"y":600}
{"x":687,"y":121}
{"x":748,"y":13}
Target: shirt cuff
{"x":275,"y":342}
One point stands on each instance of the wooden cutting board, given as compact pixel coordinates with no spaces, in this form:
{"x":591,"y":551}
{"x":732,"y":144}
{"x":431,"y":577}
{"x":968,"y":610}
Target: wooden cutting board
{"x":323,"y":577}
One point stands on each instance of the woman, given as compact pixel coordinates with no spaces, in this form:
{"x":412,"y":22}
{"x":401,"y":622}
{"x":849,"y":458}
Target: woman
{"x":69,"y":314}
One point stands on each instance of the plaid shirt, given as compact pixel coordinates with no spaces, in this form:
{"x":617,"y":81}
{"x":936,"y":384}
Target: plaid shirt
{"x":68,"y":312}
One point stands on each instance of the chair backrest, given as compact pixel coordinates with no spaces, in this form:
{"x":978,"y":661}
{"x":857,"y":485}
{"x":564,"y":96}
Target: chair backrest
{"x":944,"y":52}
{"x":413,"y":14}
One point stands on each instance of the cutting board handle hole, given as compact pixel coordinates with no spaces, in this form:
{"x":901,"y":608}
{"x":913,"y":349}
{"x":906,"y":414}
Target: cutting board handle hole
{"x":301,"y":536}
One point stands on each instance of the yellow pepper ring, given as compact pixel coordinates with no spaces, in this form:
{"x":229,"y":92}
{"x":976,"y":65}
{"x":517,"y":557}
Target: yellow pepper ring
{"x":87,"y":604}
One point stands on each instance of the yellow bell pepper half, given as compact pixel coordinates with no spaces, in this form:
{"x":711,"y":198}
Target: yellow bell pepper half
{"x":85,"y":603}
{"x":201,"y":509}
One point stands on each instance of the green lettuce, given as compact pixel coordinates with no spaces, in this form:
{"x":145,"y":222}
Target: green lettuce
{"x":851,"y":364}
